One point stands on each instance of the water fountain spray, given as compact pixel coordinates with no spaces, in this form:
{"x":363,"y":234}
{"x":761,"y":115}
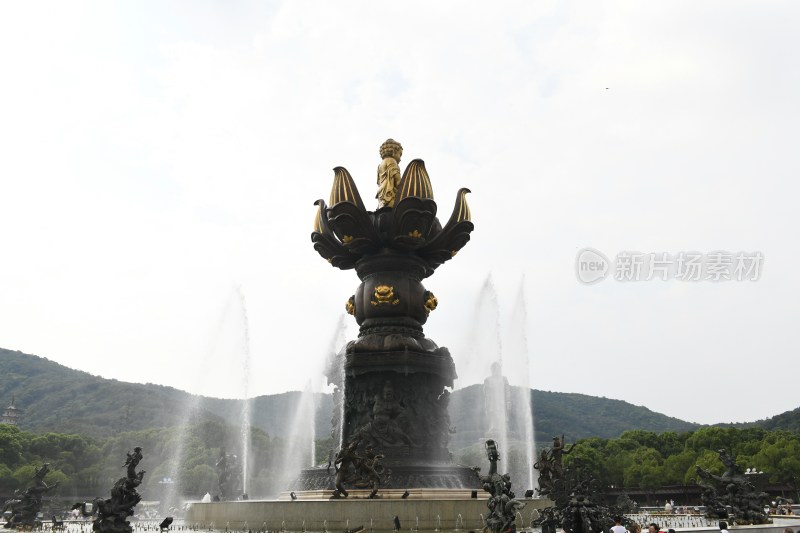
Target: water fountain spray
{"x":245,"y":420}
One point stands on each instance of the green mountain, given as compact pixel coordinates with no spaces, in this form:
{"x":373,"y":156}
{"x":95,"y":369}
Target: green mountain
{"x":788,"y":421}
{"x":575,"y":415}
{"x":62,"y":400}
{"x":59,"y":399}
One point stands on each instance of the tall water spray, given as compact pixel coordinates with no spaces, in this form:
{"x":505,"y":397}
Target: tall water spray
{"x":300,"y":446}
{"x":301,"y":437}
{"x":519,"y":353}
{"x":245,"y":416}
{"x":487,"y":351}
{"x":337,"y":342}
{"x":214,"y":345}
{"x":498,"y":347}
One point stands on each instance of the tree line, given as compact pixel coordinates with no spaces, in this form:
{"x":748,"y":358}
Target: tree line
{"x":180,"y":459}
{"x":186,"y":457}
{"x":646,"y":460}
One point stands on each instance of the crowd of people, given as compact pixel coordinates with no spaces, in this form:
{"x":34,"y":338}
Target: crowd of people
{"x":783,"y":508}
{"x":653,"y":527}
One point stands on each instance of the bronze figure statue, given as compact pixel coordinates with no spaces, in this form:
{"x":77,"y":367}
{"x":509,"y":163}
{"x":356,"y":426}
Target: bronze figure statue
{"x":132,"y":461}
{"x":358,"y":470}
{"x":229,"y":473}
{"x":557,"y":452}
{"x":503,"y":505}
{"x":113,"y":513}
{"x":388,"y":421}
{"x":344,"y":459}
{"x":574,"y":492}
{"x":731,"y":468}
{"x":546,"y":472}
{"x":388,"y":172}
{"x":732,"y":495}
{"x":550,"y":465}
{"x":26,"y":505}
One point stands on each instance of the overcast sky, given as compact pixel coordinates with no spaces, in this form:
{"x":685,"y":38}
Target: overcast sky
{"x":159,"y":162}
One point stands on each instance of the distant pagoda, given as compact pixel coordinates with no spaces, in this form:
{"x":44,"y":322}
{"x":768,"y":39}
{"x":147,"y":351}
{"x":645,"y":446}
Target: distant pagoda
{"x":12,"y":414}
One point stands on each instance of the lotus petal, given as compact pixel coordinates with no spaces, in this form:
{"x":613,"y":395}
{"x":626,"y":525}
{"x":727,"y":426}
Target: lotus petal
{"x":412,"y":221}
{"x":344,"y":189}
{"x":414,"y":183}
{"x":453,"y":236}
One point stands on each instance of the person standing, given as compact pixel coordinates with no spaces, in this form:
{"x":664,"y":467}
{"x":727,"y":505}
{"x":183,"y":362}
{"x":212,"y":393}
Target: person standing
{"x":618,"y":527}
{"x":723,"y":527}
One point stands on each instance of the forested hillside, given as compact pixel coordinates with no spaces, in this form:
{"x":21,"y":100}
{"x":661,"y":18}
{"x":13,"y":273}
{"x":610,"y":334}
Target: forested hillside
{"x":89,"y":466}
{"x":636,"y":460}
{"x":58,"y":399}
{"x":790,"y":421}
{"x":647,"y":460}
{"x":555,"y":413}
{"x":85,"y":424}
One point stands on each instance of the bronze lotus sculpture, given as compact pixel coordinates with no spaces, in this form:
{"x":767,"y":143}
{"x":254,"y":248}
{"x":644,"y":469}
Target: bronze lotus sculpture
{"x":391,"y":382}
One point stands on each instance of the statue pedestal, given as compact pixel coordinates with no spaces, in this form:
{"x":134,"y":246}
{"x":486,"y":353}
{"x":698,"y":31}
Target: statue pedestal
{"x":396,"y":402}
{"x":427,"y":510}
{"x":405,"y":475}
{"x":395,"y":405}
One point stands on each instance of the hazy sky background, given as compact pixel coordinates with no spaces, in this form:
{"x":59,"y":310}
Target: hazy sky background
{"x":159,"y":162}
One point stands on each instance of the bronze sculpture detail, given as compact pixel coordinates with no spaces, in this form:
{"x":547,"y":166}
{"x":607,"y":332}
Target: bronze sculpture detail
{"x":389,"y":425}
{"x":229,"y":472}
{"x":358,"y":470}
{"x":574,"y":492}
{"x":731,"y":495}
{"x":388,"y":172}
{"x":113,"y":513}
{"x":503,"y":505}
{"x":431,"y":302}
{"x":25,"y":506}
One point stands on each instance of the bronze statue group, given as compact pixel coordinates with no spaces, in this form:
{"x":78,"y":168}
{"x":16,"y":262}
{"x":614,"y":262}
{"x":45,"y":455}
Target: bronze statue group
{"x":112,"y":513}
